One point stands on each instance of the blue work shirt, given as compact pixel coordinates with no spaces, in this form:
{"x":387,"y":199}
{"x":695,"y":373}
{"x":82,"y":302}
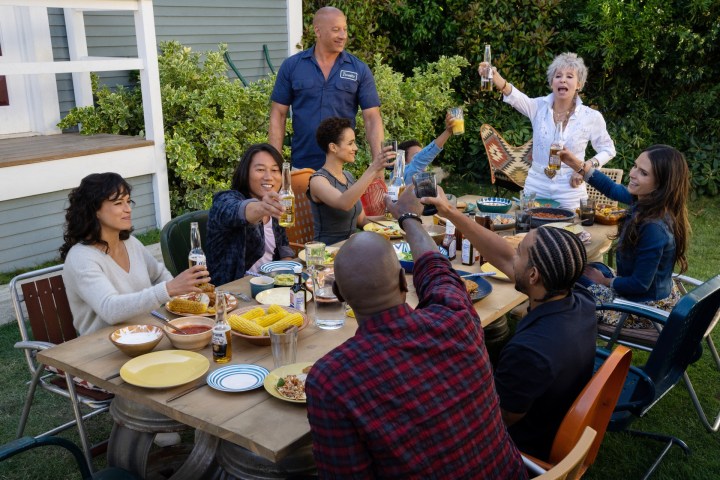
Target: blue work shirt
{"x":301,"y":84}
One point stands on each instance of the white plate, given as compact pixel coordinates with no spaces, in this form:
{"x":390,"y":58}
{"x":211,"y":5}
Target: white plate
{"x":278,"y":296}
{"x":279,"y":265}
{"x":575,"y":228}
{"x":237,"y":378}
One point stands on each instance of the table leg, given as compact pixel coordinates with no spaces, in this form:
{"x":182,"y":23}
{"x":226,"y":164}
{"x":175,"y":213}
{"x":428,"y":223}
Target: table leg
{"x":239,"y":462}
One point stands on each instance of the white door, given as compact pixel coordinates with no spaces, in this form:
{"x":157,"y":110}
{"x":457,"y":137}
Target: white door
{"x":15,"y":107}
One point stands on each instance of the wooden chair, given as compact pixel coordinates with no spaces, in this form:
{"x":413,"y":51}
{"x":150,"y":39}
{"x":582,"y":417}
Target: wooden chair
{"x":302,"y":232}
{"x":678,"y":346}
{"x":617,"y":175}
{"x":509,"y":165}
{"x":40,"y":303}
{"x":593,"y":408}
{"x":175,"y":239}
{"x":571,"y":465}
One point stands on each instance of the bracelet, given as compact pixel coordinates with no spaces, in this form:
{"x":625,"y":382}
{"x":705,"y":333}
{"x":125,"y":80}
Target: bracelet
{"x":595,"y":162}
{"x":581,"y":170}
{"x":502,"y":90}
{"x":407,"y":215}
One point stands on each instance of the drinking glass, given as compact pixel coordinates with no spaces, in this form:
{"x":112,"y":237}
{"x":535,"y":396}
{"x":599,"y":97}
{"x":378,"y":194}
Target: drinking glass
{"x":587,"y":212}
{"x":284,"y":346}
{"x":426,"y":186}
{"x":314,"y":254}
{"x":328,"y":312}
{"x":459,"y":120}
{"x":527,"y":200}
{"x":393,"y":144}
{"x":523,"y":219}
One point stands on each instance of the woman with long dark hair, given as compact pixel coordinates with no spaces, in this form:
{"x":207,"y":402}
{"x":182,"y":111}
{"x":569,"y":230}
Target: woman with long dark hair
{"x":243,"y":231}
{"x":109,"y":275}
{"x":653,"y":237}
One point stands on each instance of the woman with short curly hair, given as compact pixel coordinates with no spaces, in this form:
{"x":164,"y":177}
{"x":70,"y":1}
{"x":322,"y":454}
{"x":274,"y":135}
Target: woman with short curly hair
{"x":333,"y":192}
{"x":109,"y":275}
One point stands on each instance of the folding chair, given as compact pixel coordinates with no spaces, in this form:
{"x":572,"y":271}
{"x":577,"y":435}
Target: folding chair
{"x":592,"y":408}
{"x":509,"y":165}
{"x":678,"y":345}
{"x":570,"y":466}
{"x":302,"y":232}
{"x":175,"y":239}
{"x":40,"y":303}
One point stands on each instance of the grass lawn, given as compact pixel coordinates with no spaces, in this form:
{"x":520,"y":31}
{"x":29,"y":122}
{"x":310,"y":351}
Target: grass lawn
{"x":621,"y":456}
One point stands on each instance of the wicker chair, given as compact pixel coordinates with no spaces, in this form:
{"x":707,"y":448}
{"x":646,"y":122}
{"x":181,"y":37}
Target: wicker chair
{"x":617,"y":175}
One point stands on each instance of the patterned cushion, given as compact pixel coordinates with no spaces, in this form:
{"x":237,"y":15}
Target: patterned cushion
{"x":506,"y":161}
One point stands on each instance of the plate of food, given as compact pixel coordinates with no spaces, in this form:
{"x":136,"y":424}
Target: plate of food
{"x":252,"y":323}
{"x":501,"y":221}
{"x":543,"y":215}
{"x":278,"y":296}
{"x":607,"y":215}
{"x":488,"y":267}
{"x":330,"y":253}
{"x":202,"y":304}
{"x":475,"y":285}
{"x":164,"y":369}
{"x":544,"y":202}
{"x":288,"y":382}
{"x":387,"y":228}
{"x":237,"y":378}
{"x":288,"y":265}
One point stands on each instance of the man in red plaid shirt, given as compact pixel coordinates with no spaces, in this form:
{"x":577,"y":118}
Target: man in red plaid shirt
{"x":411,"y":395}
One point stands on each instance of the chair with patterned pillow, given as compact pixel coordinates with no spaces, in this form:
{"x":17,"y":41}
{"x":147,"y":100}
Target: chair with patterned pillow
{"x":509,"y":165}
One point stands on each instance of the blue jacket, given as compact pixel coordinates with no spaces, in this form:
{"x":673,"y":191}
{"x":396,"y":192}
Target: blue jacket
{"x":233,"y":244}
{"x":645,"y":272}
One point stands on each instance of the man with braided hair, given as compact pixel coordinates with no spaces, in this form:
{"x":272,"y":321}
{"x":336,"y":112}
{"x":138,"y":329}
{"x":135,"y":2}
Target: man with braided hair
{"x":550,"y":358}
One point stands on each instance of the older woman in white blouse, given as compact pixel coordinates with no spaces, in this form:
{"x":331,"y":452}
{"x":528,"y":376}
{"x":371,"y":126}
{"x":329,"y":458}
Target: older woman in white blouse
{"x":582,"y":125}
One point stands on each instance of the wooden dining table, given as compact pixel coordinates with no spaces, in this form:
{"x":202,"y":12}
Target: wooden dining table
{"x":266,"y":428}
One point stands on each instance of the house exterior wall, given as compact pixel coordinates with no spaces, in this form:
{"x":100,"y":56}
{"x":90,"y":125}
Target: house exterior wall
{"x":244,"y":25}
{"x":32,"y":227}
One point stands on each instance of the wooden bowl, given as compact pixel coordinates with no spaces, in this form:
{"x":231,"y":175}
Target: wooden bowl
{"x":264,"y":340}
{"x":195,"y":341}
{"x":135,"y":340}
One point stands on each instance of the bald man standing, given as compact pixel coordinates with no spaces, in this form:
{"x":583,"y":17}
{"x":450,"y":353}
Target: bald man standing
{"x":321,"y":82}
{"x":551,"y":356}
{"x":411,"y":394}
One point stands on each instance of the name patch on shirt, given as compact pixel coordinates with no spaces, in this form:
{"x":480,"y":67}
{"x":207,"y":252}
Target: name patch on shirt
{"x":348,"y":75}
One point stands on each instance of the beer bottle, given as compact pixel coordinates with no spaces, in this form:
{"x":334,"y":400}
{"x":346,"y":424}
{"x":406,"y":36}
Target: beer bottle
{"x":486,"y":81}
{"x":449,"y":245}
{"x":287,"y":198}
{"x":196,"y":256}
{"x":297,"y":292}
{"x":397,"y":181}
{"x":221,"y":335}
{"x":555,"y":147}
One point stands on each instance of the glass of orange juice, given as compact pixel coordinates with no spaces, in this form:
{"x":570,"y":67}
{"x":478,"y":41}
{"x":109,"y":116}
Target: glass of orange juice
{"x":458,"y":127}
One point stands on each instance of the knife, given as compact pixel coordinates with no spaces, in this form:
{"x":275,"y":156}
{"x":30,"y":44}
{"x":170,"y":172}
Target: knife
{"x":480,"y":274}
{"x":186,"y":391}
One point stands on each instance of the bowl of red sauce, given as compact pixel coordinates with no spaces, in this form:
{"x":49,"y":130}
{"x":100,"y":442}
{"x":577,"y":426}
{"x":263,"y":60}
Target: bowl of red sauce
{"x":197,"y":332}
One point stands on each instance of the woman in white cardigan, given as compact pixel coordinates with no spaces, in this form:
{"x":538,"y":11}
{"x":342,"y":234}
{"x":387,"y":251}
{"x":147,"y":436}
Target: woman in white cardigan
{"x":582,"y":125}
{"x":109,"y":275}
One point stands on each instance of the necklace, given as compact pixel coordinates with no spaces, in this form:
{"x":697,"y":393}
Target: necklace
{"x":564,"y":116}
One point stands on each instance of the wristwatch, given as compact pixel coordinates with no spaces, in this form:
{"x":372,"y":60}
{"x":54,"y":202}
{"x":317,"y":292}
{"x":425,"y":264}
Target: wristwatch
{"x":595,"y":162}
{"x":407,"y":215}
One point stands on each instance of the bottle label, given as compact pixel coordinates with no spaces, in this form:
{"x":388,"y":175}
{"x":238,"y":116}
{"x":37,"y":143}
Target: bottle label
{"x":468,"y":255}
{"x":452,"y":249}
{"x":297,"y":300}
{"x":393,"y":192}
{"x":197,"y":259}
{"x":219,"y":343}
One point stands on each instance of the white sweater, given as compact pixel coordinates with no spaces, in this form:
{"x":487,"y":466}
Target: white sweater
{"x":101,"y":293}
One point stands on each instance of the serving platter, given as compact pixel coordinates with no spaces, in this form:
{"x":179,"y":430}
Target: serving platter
{"x":164,"y":369}
{"x":237,"y":378}
{"x":270,"y":382}
{"x":264,"y":340}
{"x":230,"y":301}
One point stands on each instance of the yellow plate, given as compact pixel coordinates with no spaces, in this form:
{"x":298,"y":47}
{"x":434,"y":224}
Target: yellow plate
{"x":278,"y":296}
{"x":487,"y":267}
{"x":270,"y":382}
{"x":164,"y":369}
{"x":390,"y":229}
{"x":330,"y":253}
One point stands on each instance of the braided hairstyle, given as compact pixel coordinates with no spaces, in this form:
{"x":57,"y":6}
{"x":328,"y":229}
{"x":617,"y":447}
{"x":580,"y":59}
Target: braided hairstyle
{"x":560,"y":258}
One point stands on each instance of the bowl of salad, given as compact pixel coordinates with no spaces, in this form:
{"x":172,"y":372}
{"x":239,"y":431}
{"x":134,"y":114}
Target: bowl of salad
{"x":404,"y":255}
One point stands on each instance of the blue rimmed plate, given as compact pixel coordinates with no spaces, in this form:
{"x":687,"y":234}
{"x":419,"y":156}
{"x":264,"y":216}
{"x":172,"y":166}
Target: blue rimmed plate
{"x":237,"y":378}
{"x":484,"y":287}
{"x":279,"y":265}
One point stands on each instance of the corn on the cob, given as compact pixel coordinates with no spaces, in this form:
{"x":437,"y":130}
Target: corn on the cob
{"x":276,"y":308}
{"x":244,"y":326}
{"x":183,"y":305}
{"x":254,"y":313}
{"x":270,"y":318}
{"x":295,"y":319}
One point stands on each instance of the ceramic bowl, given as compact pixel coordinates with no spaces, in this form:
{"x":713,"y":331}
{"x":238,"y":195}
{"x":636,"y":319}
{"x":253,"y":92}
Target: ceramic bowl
{"x":195,"y":341}
{"x":558,"y":215}
{"x":437,"y":233}
{"x":135,"y":340}
{"x":494,"y":205}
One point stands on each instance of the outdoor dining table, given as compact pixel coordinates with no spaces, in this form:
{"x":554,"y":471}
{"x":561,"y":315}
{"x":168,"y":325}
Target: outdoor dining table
{"x":235,"y":432}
